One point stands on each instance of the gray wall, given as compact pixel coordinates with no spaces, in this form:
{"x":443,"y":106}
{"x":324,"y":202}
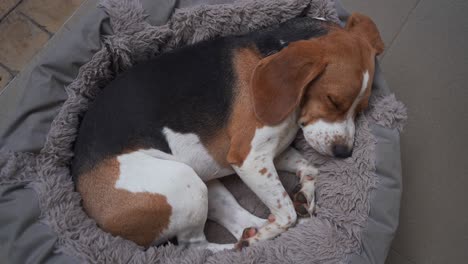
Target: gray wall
{"x":426,"y":64}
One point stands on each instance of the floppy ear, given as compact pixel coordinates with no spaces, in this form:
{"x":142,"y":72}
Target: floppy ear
{"x":279,"y":81}
{"x":364,"y":27}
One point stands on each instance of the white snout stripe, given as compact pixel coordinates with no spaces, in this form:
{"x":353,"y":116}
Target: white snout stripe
{"x":365,"y":83}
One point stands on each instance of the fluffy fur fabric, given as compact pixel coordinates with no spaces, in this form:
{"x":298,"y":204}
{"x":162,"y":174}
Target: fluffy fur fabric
{"x":343,"y":188}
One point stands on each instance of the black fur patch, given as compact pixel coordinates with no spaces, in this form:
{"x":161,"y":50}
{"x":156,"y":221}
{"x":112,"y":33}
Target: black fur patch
{"x":272,"y":40}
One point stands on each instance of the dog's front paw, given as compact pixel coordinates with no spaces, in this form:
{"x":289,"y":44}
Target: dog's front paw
{"x":246,"y":237}
{"x":304,"y":202}
{"x":304,"y":196}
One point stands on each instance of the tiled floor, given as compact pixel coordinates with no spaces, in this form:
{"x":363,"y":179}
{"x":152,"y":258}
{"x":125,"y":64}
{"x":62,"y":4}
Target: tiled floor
{"x":25,"y":27}
{"x":425,"y":63}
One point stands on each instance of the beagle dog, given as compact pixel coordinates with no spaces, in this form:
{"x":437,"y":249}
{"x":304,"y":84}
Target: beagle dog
{"x":153,"y":143}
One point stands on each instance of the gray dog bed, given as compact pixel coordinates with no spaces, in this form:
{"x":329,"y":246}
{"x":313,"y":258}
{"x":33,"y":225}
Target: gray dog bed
{"x":357,"y":198}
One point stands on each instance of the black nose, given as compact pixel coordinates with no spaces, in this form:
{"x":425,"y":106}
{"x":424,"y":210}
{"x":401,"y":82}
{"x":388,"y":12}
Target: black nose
{"x":342,"y":151}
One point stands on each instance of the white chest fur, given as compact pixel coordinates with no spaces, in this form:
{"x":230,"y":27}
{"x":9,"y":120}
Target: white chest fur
{"x":269,"y":140}
{"x":272,"y":140}
{"x":188,"y":148}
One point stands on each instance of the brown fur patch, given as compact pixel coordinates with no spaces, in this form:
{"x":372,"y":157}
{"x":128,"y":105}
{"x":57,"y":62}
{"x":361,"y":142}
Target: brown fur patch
{"x":279,"y":80}
{"x":263,"y":171}
{"x":242,"y":123}
{"x":363,"y":26}
{"x":139,"y":217}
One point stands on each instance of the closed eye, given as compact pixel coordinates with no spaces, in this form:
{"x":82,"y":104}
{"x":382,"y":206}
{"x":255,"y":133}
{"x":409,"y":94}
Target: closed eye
{"x":333,"y":102}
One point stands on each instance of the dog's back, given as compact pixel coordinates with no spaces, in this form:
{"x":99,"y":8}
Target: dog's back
{"x":180,"y":89}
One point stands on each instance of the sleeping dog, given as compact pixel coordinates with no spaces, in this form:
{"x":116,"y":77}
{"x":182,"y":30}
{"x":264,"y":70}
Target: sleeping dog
{"x":152,"y":145}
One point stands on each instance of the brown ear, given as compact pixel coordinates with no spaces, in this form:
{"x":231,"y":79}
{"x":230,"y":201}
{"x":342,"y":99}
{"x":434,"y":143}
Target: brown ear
{"x":363,"y":26}
{"x":279,"y":81}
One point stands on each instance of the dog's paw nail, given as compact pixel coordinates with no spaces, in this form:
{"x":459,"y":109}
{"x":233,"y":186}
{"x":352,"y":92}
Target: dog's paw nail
{"x":300,"y":198}
{"x":242,"y":244}
{"x":249,"y":232}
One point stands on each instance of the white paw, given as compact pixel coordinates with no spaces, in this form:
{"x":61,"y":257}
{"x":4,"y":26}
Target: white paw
{"x":304,"y":200}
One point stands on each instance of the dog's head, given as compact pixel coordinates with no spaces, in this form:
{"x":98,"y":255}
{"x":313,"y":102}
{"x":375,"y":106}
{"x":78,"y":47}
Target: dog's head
{"x":328,"y":79}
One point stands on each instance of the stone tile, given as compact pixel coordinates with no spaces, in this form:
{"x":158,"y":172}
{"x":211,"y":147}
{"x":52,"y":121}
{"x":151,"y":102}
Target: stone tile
{"x":395,"y":258}
{"x":388,"y":15}
{"x":49,"y":13}
{"x":6,"y":5}
{"x":5,"y":78}
{"x":427,"y":67}
{"x":24,"y":39}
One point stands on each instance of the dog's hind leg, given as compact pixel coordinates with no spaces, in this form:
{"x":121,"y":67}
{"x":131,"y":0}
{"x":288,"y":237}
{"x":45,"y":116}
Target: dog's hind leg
{"x":226,"y":211}
{"x":193,"y":236}
{"x":148,"y":200}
